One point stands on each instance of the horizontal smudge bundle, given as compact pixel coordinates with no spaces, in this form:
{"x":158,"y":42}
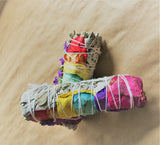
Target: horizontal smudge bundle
{"x":68,"y":103}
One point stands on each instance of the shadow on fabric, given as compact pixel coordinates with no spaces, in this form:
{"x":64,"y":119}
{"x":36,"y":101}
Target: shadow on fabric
{"x":104,"y":66}
{"x":2,"y":5}
{"x":125,"y":127}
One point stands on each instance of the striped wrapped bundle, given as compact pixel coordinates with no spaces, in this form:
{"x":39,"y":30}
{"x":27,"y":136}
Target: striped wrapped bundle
{"x":68,"y":103}
{"x":81,"y":54}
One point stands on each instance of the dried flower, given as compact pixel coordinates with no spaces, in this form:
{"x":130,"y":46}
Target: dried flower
{"x":65,"y":46}
{"x":55,"y":80}
{"x":62,"y":61}
{"x":60,"y":73}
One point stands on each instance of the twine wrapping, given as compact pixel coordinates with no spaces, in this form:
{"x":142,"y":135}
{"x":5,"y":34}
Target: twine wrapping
{"x":67,"y":103}
{"x":81,"y":54}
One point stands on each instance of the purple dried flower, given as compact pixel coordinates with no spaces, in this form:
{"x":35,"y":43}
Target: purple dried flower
{"x":60,"y":73}
{"x":55,"y":80}
{"x":65,"y":46}
{"x":62,"y":61}
{"x":47,"y":122}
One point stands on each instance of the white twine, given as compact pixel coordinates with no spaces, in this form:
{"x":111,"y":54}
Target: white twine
{"x":119,"y":94}
{"x":129,"y":90}
{"x":96,"y":98}
{"x":77,"y":41}
{"x":91,"y":97}
{"x":90,"y":67}
{"x":106,"y":94}
{"x":32,"y":109}
{"x":72,"y":99}
{"x":79,"y":97}
{"x":77,"y":68}
{"x":53,"y":105}
{"x":65,"y":81}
